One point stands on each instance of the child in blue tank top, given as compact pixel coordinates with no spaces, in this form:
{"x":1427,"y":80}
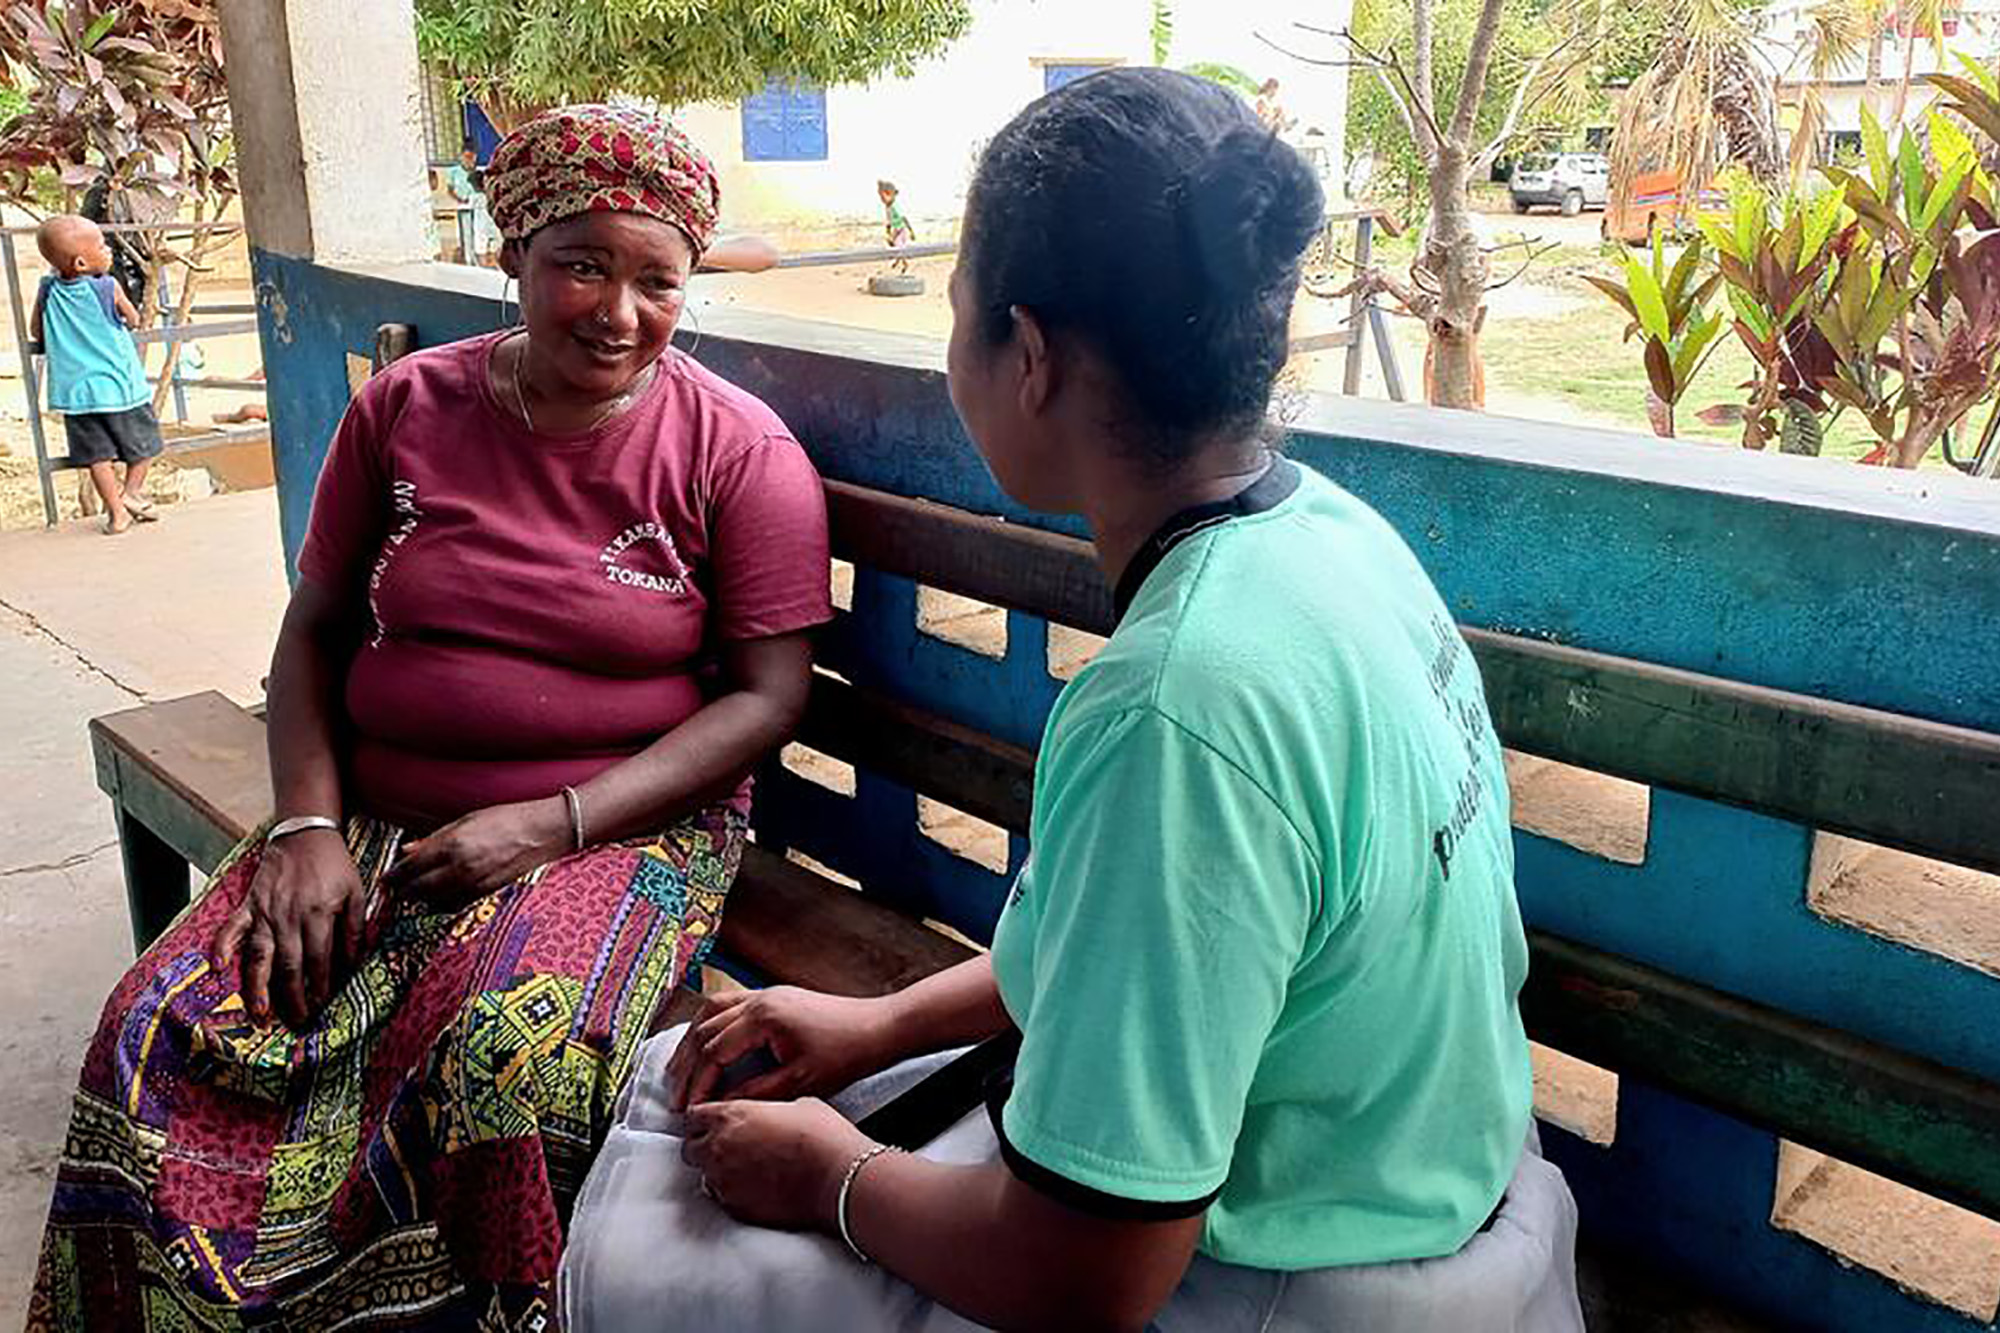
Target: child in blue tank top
{"x":83,"y":321}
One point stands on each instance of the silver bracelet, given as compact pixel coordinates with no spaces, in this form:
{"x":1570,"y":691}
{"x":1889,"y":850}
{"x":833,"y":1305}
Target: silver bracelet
{"x":861,"y":1159}
{"x":285,"y":828}
{"x":575,"y":816}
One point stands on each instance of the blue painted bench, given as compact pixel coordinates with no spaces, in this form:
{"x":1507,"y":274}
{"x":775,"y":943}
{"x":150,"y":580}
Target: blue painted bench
{"x":187,"y":778}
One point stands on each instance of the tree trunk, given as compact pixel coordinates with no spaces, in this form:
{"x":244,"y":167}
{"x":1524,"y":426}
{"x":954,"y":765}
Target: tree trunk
{"x":1909,"y":451}
{"x":1871,"y":79}
{"x":1459,"y":268}
{"x":1895,"y":121}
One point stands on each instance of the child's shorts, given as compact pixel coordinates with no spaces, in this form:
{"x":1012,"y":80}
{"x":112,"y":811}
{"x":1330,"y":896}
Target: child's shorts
{"x":131,"y":436}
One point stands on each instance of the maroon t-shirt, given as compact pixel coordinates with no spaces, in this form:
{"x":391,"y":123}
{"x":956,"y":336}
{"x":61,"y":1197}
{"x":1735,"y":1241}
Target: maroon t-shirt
{"x":539,"y":608}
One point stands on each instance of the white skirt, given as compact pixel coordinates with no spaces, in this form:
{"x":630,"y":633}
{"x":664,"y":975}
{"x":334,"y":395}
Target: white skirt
{"x":649,"y":1253}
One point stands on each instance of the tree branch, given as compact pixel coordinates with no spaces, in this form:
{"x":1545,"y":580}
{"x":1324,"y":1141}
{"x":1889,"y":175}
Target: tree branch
{"x":1534,"y":253}
{"x":1417,"y":119}
{"x":1422,"y":41}
{"x":1522,"y":99}
{"x":1478,"y":59}
{"x":1374,"y":282}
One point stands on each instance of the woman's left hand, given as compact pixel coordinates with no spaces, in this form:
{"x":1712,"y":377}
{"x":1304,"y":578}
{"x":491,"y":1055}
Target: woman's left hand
{"x":772,"y":1164}
{"x":483,"y":851}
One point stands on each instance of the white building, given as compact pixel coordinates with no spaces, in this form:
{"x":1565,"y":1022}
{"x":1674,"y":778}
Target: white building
{"x":807,"y":156}
{"x":1971,"y":28}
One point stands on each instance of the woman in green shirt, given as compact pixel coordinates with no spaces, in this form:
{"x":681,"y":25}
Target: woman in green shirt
{"x":1265,"y":960}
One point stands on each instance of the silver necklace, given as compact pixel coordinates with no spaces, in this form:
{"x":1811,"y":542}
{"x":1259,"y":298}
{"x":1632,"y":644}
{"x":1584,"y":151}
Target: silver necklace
{"x":604,"y":414}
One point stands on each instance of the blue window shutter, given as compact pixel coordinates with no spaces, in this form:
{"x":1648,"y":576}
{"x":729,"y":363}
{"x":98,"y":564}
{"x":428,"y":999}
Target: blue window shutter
{"x":805,"y":125}
{"x":784,"y":123}
{"x":764,"y":125}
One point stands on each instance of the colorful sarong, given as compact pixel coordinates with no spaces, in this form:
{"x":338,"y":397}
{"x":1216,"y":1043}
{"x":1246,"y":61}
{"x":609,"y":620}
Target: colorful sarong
{"x":411,"y":1161}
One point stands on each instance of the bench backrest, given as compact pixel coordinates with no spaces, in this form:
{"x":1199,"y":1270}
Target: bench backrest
{"x":1736,"y":1014}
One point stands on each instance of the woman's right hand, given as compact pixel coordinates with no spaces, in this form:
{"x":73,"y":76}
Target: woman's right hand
{"x":303,"y":916}
{"x":821,"y":1043}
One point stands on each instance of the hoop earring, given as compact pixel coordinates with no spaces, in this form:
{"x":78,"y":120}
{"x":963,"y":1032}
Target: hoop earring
{"x":687,"y":313}
{"x":519,"y":317}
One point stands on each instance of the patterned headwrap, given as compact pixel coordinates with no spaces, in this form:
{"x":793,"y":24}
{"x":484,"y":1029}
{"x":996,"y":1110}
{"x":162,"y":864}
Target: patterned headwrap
{"x":576,"y":159}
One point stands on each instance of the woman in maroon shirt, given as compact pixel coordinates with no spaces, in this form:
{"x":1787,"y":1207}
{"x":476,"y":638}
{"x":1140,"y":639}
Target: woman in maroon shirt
{"x":552,"y":607}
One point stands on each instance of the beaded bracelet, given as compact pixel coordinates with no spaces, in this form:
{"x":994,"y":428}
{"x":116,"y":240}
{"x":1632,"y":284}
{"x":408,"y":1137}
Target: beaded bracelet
{"x":861,"y":1159}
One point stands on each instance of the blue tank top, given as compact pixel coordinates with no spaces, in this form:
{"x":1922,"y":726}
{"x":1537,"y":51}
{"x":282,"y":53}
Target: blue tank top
{"x":93,"y":365}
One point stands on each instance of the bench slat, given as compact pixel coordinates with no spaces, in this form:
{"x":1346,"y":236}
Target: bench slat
{"x":1005,"y":564}
{"x":1902,"y":782}
{"x":798,"y":927}
{"x":966,"y":769}
{"x":1925,"y":1124}
{"x":1879,"y":1108}
{"x":194,"y":770}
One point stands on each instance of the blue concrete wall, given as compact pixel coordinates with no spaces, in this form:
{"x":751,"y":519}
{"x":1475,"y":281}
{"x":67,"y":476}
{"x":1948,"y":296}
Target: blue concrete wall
{"x":1875,"y":589}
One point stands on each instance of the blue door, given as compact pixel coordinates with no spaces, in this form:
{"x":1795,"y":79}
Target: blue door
{"x":480,"y":130}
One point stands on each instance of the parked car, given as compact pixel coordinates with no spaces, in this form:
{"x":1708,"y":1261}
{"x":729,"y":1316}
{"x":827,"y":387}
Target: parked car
{"x":1571,"y":182}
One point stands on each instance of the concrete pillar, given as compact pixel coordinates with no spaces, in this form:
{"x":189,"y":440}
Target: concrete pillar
{"x":327,"y":109}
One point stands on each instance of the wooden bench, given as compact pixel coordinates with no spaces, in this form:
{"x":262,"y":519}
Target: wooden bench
{"x":188,"y":779}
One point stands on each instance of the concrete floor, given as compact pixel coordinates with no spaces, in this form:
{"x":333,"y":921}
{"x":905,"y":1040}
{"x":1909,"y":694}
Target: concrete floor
{"x":89,"y":625}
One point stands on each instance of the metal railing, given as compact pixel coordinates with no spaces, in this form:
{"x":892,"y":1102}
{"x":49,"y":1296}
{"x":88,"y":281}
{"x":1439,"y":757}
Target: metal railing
{"x":175,"y":335}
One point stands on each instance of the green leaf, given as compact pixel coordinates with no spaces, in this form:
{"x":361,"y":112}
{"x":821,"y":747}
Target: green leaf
{"x":1980,"y":74}
{"x":1910,"y":159}
{"x":1647,"y":299}
{"x":1876,"y":146}
{"x":1831,"y":329}
{"x":1802,"y":433}
{"x":1750,"y":314}
{"x":1719,"y":236}
{"x":1229,"y":76}
{"x":1688,"y":357}
{"x":1821,"y":219}
{"x":1677,"y":282}
{"x":1751,"y":221}
{"x":1791,"y":243}
{"x":96,"y":31}
{"x":1889,"y":305}
{"x":1938,"y":208}
{"x":1949,"y":143}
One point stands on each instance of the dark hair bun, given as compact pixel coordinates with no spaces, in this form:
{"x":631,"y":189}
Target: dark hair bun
{"x":1252,"y":209}
{"x":1149,"y":213}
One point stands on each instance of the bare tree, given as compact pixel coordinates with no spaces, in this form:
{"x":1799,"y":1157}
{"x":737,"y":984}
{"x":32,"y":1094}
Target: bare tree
{"x":1452,"y":273}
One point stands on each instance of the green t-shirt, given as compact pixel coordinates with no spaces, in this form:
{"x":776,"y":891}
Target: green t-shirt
{"x":1267,"y":950}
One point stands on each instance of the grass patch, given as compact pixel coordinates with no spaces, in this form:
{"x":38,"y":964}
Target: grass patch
{"x":1580,"y":359}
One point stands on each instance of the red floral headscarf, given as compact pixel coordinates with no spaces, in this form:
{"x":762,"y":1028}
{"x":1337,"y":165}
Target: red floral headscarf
{"x":575,"y":159}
